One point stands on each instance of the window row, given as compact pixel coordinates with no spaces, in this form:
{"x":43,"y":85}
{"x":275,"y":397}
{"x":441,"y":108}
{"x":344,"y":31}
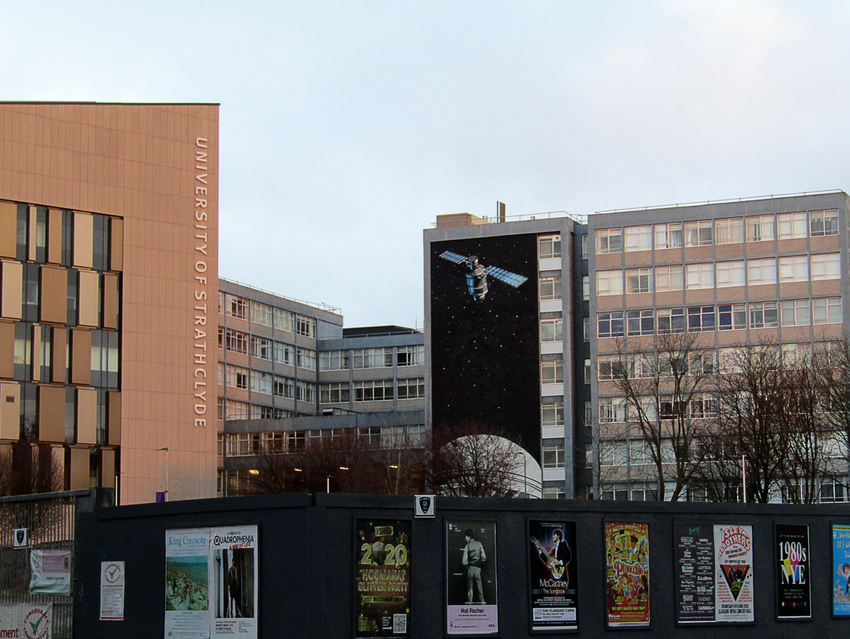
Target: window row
{"x":617,"y":409}
{"x":296,"y":441}
{"x":723,"y":317}
{"x":756,"y":228}
{"x":754,"y":272}
{"x":372,"y":390}
{"x":266,"y":349}
{"x":265,"y":315}
{"x":380,"y":357}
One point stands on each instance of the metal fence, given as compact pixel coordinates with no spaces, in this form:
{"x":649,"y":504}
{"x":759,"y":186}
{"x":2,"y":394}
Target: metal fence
{"x":50,"y":519}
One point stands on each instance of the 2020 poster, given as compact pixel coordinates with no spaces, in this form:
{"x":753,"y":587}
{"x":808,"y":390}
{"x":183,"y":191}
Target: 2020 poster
{"x":471,"y":589}
{"x":382,"y":578}
{"x":627,"y":578}
{"x":554,"y":592}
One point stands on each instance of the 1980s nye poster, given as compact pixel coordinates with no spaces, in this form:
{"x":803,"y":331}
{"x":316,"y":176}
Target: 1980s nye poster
{"x":554,"y":595}
{"x":627,"y":565}
{"x":382,"y":577}
{"x":471,"y":594}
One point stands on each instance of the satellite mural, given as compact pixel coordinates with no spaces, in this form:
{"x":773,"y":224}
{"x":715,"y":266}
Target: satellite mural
{"x":484,"y":346}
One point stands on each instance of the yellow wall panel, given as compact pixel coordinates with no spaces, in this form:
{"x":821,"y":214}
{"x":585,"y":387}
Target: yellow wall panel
{"x":116,"y":244}
{"x":80,"y":357}
{"x":110,"y":300}
{"x":107,"y":468}
{"x":86,"y":416}
{"x":8,"y":229}
{"x":88,"y":300}
{"x":10,"y":410}
{"x":78,"y":464}
{"x":113,"y":418}
{"x":53,"y":306}
{"x":83,"y":239}
{"x":12,"y":290}
{"x":51,"y":414}
{"x":54,"y":236}
{"x":58,"y":355}
{"x":7,"y":350}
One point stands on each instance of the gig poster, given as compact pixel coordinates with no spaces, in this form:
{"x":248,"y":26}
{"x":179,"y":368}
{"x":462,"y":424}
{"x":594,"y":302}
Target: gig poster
{"x":733,"y":573}
{"x":841,"y":570}
{"x":627,"y":574}
{"x":471,"y":594}
{"x":211,"y":582}
{"x":554,"y":596}
{"x":382,"y":578}
{"x":792,"y":557}
{"x":694,"y":556}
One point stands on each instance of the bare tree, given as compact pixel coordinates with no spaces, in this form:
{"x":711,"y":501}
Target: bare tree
{"x":27,"y":468}
{"x":470,"y":459}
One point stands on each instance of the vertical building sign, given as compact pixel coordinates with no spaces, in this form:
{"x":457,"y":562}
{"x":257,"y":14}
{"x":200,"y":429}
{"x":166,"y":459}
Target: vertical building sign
{"x":552,"y":569}
{"x":471,"y":592}
{"x":733,"y":572}
{"x":201,"y":323}
{"x":627,"y":582}
{"x":841,"y":570}
{"x":694,"y":554}
{"x":382,"y":578}
{"x":792,"y":569}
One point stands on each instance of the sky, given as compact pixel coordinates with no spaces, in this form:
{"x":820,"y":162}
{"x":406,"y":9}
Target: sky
{"x":347,"y":127}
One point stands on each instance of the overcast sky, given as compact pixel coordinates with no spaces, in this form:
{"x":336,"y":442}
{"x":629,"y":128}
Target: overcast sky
{"x":347,"y":127}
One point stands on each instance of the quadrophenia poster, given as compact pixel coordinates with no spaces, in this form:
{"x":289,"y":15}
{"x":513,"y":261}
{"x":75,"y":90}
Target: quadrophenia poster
{"x":733,"y":573}
{"x":471,"y":594}
{"x":627,"y":581}
{"x":382,"y":578}
{"x":554,"y":598}
{"x":211,"y":582}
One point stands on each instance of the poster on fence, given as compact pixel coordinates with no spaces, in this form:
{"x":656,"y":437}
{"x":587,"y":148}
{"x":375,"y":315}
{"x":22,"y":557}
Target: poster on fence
{"x":694,"y":557}
{"x":471,"y":593}
{"x":28,"y":621}
{"x":382,"y":578}
{"x":112,"y":591}
{"x":50,"y":572}
{"x":841,"y":570}
{"x":733,"y":573}
{"x":794,"y":591}
{"x":627,"y":574}
{"x":187,"y":579}
{"x":552,"y":569}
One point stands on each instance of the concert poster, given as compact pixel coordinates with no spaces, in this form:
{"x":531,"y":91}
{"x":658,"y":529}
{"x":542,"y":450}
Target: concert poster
{"x":187,"y":579}
{"x":694,"y":557}
{"x":382,"y":578}
{"x":554,"y":595}
{"x":234,"y":568}
{"x":471,"y":593}
{"x":733,"y":573}
{"x":627,"y":574}
{"x":794,"y":593}
{"x":841,"y":570}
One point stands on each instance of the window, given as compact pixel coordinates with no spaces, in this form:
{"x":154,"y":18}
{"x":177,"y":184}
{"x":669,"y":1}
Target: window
{"x":220,"y":409}
{"x":552,"y":372}
{"x":236,"y":410}
{"x":609,"y":324}
{"x":639,"y":280}
{"x":700,"y":275}
{"x":760,"y":228}
{"x":585,"y":288}
{"x":763,"y":315}
{"x":668,"y":235}
{"x":638,"y":238}
{"x":372,"y":358}
{"x":552,"y":414}
{"x":761,"y":271}
{"x":242,"y":444}
{"x":261,"y":382}
{"x":732,"y":316}
{"x":283,"y":387}
{"x":284,"y":320}
{"x":413,"y":388}
{"x":261,"y":412}
{"x":273,"y":442}
{"x":791,"y":225}
{"x":670,"y":320}
{"x":373,"y":391}
{"x":704,"y":363}
{"x":641,"y":322}
{"x":794,"y":268}
{"x":701,"y":318}
{"x":609,"y":282}
{"x":699,"y":233}
{"x":550,"y":246}
{"x":668,"y":278}
{"x":371,"y":436}
{"x":609,"y":241}
{"x":551,"y":330}
{"x":305,"y":358}
{"x":334,"y":360}
{"x":612,"y":409}
{"x":261,"y":313}
{"x":553,"y":455}
{"x":610,"y":367}
{"x":729,"y":230}
{"x":236,"y":341}
{"x":584,"y":246}
{"x":832,"y":491}
{"x":550,"y":288}
{"x":585,"y":328}
{"x":643,"y":367}
{"x":261,"y":347}
{"x":823,"y":222}
{"x":730,"y":274}
{"x":410,"y":356}
{"x":795,"y":312}
{"x":296,"y":441}
{"x":704,"y":407}
{"x":795,"y":355}
{"x":221,"y":302}
{"x":237,"y":307}
{"x":334,"y":393}
{"x":825,"y":266}
{"x":826,"y":310}
{"x":221,"y":337}
{"x":305,"y":392}
{"x":284,"y":354}
{"x":640,"y":454}
{"x":306,"y":326}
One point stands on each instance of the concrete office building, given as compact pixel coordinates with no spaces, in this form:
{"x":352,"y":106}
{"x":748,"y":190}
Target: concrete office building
{"x":108,"y":272}
{"x":735,"y":273}
{"x":508,"y":355}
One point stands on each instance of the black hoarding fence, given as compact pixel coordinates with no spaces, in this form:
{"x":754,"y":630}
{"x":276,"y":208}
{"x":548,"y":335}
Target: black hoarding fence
{"x":330,"y":566}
